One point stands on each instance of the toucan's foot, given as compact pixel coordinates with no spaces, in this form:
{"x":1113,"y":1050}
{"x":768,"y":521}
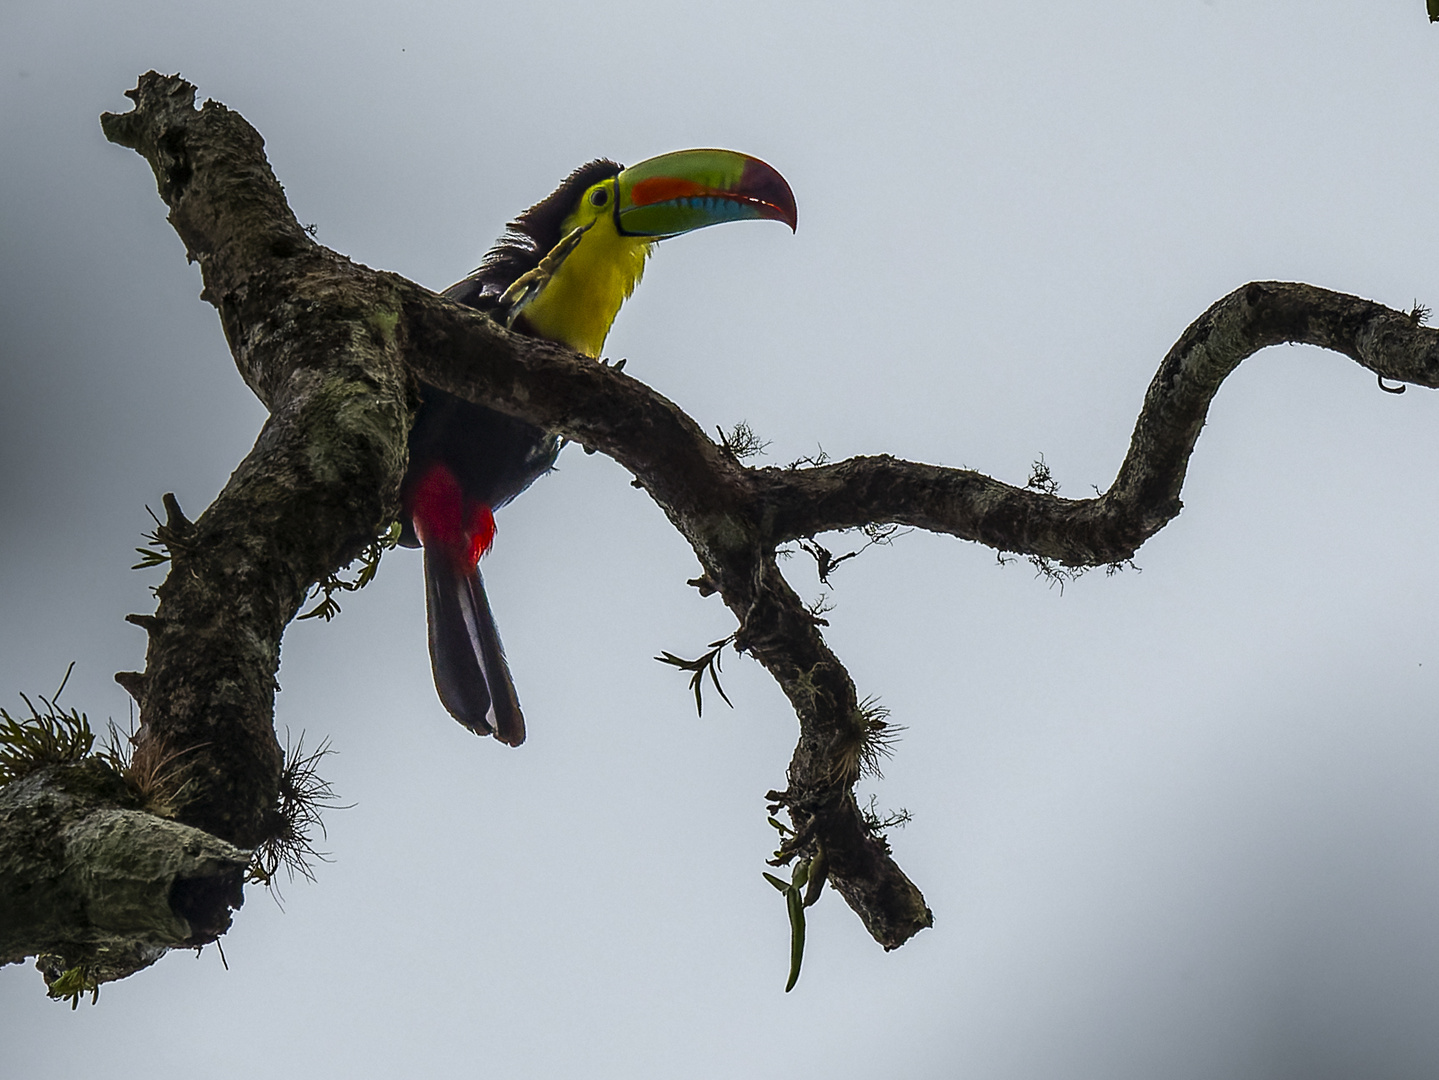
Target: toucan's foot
{"x":529,"y":285}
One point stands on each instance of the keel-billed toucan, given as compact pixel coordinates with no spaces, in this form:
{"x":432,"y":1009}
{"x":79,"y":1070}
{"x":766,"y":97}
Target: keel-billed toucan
{"x":561,"y":272}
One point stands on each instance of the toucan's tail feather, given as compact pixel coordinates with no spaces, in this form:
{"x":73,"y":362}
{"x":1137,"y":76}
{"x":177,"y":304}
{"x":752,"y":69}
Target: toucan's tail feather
{"x":469,"y":661}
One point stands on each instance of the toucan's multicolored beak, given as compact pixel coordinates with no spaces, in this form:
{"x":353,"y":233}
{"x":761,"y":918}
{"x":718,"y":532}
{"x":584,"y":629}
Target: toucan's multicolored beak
{"x":689,"y":189}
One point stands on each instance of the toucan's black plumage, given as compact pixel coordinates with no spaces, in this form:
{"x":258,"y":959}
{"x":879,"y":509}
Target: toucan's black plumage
{"x":528,"y":239}
{"x":493,"y":457}
{"x":572,"y":259}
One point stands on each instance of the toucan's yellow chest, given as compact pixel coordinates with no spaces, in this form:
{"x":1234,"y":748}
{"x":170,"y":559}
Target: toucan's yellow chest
{"x":579,"y":303}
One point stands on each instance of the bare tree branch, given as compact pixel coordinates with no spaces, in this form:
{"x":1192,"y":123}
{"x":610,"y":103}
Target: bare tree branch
{"x":310,"y":338}
{"x":333,"y":349}
{"x":1145,"y":495}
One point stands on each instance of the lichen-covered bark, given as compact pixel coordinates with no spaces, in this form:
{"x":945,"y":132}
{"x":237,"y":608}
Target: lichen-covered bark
{"x":314,"y":336}
{"x":332,"y":349}
{"x":311,"y":337}
{"x":85,"y":879}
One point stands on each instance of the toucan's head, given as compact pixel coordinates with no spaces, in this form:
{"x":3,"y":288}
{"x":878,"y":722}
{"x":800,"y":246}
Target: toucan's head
{"x":567,"y":263}
{"x":686,"y":190}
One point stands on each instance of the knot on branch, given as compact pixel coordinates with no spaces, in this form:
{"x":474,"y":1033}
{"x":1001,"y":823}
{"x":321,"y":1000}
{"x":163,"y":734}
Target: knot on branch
{"x":163,"y":103}
{"x":160,"y":100}
{"x":133,"y":682}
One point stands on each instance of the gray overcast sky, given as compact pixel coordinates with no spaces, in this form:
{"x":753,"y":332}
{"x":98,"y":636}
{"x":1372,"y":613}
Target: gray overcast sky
{"x":1177,"y":823}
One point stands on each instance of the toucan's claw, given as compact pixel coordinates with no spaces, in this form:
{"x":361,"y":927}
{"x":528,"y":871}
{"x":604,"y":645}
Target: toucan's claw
{"x":529,"y":285}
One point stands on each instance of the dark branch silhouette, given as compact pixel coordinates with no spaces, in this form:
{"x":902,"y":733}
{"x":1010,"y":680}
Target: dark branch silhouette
{"x":333,"y":349}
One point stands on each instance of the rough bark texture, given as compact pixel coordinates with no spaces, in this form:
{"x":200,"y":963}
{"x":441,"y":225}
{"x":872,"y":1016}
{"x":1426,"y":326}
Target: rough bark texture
{"x":310,"y":337}
{"x":332,"y":349}
{"x":86,"y":881}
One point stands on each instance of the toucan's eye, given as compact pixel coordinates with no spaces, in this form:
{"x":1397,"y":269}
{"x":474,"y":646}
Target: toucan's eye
{"x":599,"y":197}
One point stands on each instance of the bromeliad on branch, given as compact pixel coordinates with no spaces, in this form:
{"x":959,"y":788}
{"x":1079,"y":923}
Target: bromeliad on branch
{"x":561,"y":272}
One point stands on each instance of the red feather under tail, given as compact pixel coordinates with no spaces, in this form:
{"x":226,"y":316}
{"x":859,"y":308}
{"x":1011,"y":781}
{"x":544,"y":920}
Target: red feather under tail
{"x":465,"y":651}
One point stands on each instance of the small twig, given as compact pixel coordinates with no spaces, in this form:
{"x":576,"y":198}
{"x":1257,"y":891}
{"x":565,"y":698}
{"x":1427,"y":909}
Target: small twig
{"x":741,"y":442}
{"x":810,"y":461}
{"x":878,"y":533}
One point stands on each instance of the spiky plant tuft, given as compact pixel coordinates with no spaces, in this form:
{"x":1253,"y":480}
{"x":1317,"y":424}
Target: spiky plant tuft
{"x":52,"y":737}
{"x":869,"y":741}
{"x":152,"y":771}
{"x":304,"y":796}
{"x":877,"y":737}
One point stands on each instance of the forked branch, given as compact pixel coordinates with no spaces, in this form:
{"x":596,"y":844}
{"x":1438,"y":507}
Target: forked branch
{"x":333,"y":349}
